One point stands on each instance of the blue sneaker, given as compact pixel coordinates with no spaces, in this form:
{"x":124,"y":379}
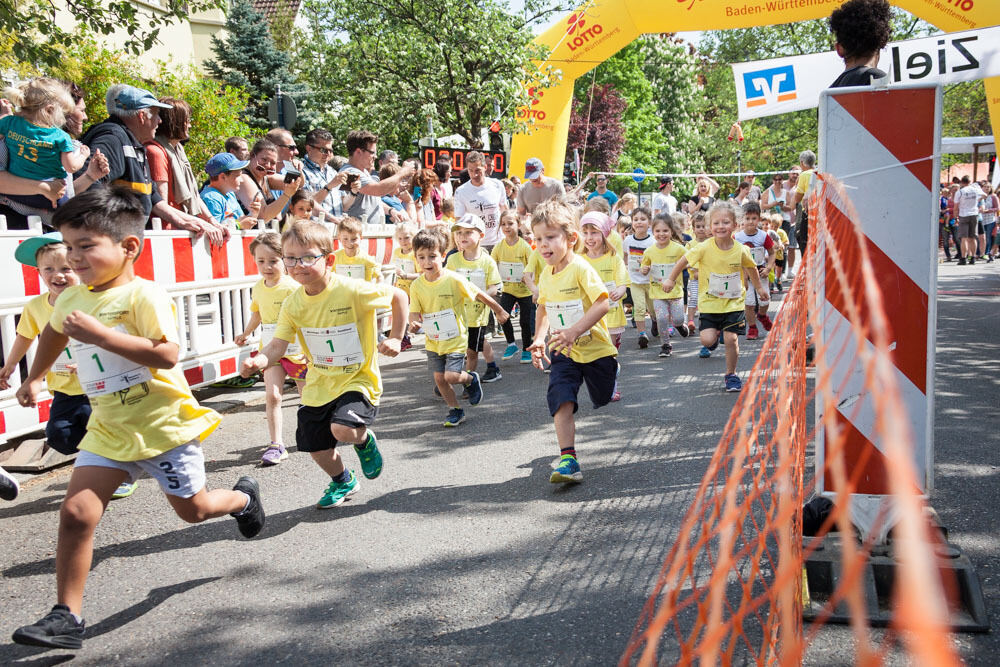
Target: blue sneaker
{"x":733,"y":383}
{"x":525,"y":357}
{"x":370,"y":456}
{"x":475,"y":389}
{"x":337,"y":492}
{"x":510,"y":351}
{"x":568,"y":470}
{"x":705,"y":353}
{"x":455,"y":417}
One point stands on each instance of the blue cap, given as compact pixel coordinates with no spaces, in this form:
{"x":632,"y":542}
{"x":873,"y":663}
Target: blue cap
{"x":220,"y":163}
{"x":532,"y":168}
{"x":131,"y":98}
{"x":27,"y":249}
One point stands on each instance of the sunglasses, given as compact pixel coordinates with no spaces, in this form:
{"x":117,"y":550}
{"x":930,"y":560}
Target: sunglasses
{"x":323,"y":150}
{"x":370,"y":152}
{"x":291,"y":147}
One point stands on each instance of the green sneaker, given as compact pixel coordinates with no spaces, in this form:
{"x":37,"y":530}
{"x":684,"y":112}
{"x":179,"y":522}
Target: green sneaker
{"x":236,"y":382}
{"x":337,"y":492}
{"x":371,"y":458}
{"x":124,"y":490}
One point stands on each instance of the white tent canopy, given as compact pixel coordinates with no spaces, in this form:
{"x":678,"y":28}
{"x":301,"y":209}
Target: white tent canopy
{"x":969,"y":145}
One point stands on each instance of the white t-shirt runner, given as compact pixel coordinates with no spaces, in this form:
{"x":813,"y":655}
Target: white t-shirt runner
{"x":487,"y":201}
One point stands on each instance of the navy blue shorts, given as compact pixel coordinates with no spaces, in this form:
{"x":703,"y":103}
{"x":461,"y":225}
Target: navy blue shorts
{"x":67,"y":423}
{"x":351,"y":409}
{"x":567,"y":375}
{"x":733,"y":322}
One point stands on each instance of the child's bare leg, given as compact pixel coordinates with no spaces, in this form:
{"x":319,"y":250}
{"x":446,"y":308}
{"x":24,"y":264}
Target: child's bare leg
{"x":487,"y":352}
{"x":329,"y":460}
{"x":89,"y":492}
{"x":471,"y":360}
{"x":751,"y":314}
{"x":354,"y":435}
{"x":274,"y":381}
{"x":207,"y":504}
{"x":732,"y":351}
{"x":709,"y":337}
{"x":444,"y":382}
{"x":565,"y":427}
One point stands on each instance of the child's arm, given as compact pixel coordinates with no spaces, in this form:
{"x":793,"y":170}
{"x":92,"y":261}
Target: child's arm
{"x":772,"y":253}
{"x":146,"y":351}
{"x":50,"y":345}
{"x":251,"y":327}
{"x":493,"y":290}
{"x":563,"y":339}
{"x":645,"y":266}
{"x":491,"y":303}
{"x":529,"y":281}
{"x":274,"y":350}
{"x":400,"y":307}
{"x":537,"y":347}
{"x":17,"y":352}
{"x":761,"y":292}
{"x":668,"y":282}
{"x":74,"y":160}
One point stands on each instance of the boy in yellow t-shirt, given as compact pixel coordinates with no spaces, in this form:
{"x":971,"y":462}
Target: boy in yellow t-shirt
{"x":406,"y":266}
{"x":122,"y":332}
{"x":779,"y":250}
{"x":720,"y":261}
{"x":572,"y":303}
{"x":70,"y":408}
{"x":513,"y":255}
{"x":440,"y":299}
{"x":333,"y":318}
{"x":350,"y":261}
{"x":479,"y":268}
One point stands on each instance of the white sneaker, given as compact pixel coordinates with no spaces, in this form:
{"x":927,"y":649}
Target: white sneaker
{"x":9,"y":487}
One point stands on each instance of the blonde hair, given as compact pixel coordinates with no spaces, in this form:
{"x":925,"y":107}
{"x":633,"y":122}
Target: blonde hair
{"x":49,"y":249}
{"x":599,"y":204}
{"x":349,"y":225}
{"x":562,"y":215}
{"x":404,"y":227}
{"x":448,"y":208}
{"x":269,"y":240}
{"x":626,"y":198}
{"x":309,"y":235}
{"x":510,"y":214}
{"x":725,"y":208}
{"x":42,"y":101}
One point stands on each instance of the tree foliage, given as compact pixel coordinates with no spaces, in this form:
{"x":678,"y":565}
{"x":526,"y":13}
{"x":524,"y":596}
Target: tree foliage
{"x":596,"y":129}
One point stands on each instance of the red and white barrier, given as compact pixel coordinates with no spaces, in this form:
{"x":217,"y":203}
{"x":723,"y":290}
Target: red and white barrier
{"x":883,"y":146}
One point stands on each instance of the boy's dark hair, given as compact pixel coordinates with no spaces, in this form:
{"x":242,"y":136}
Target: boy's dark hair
{"x":751,"y":208}
{"x":861,"y":26}
{"x":116,"y":212}
{"x":430,"y":239}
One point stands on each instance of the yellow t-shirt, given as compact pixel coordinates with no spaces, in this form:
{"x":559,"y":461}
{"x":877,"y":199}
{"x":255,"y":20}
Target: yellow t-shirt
{"x":662,"y":261}
{"x":337,"y":331}
{"x":535,"y":265}
{"x":615,"y":241}
{"x":267,"y":301}
{"x":805,"y":180}
{"x":720,"y":282}
{"x":512,"y":261}
{"x":783,"y":237}
{"x":348,"y":267}
{"x":154,"y":411}
{"x":442,"y":305}
{"x":481,"y":272}
{"x":407,"y":263}
{"x":34,"y":317}
{"x":569,"y":294}
{"x":613,"y":274}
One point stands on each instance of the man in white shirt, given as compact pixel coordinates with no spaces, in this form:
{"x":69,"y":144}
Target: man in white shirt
{"x":967,"y":209}
{"x":664,"y":201}
{"x":481,"y":196}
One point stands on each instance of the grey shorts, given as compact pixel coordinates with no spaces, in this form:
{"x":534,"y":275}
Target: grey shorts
{"x":180,"y":471}
{"x":441,"y":363}
{"x":967,"y":225}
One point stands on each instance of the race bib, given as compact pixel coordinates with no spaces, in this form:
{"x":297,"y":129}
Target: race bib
{"x":441,"y":325}
{"x":759,"y":255}
{"x":64,"y":361}
{"x":405,"y":265}
{"x":511,"y":272}
{"x":612,"y":304}
{"x":725,"y":285}
{"x":564,"y":314}
{"x":334,"y":346}
{"x":661,"y":271}
{"x":102,"y":372}
{"x":476,"y":276}
{"x":267,"y":335}
{"x":634,"y":262}
{"x":356,"y":271}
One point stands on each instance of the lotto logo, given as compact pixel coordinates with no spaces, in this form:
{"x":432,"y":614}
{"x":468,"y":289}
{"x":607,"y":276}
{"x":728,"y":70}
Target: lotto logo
{"x":769,"y":86}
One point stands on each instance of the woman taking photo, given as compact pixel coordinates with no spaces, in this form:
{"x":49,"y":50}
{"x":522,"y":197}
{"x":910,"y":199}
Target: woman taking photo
{"x":263,"y":163}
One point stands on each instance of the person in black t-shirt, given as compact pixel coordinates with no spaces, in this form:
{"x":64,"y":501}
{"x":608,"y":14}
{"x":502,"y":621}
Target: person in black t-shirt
{"x":861,"y":28}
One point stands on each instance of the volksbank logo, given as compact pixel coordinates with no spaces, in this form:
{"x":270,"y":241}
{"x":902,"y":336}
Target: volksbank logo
{"x":770,"y":86}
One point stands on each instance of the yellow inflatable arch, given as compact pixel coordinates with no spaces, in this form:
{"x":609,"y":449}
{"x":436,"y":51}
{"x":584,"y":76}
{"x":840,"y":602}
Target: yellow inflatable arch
{"x":600,"y":28}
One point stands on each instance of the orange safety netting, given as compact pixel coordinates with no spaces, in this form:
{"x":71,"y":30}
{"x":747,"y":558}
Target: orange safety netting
{"x":731,"y":588}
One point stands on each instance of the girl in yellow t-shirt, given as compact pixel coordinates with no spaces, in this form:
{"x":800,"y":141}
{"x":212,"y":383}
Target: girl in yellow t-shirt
{"x":513,"y":258}
{"x":657,"y":262}
{"x":268,"y":294}
{"x":406,"y":266}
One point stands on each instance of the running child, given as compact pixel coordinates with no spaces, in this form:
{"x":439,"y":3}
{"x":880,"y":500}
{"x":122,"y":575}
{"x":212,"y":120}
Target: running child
{"x":572,"y":304}
{"x":267,"y":296}
{"x":762,"y":249}
{"x":780,"y":239}
{"x":405,"y":265}
{"x":349,"y":260}
{"x":122,"y":333}
{"x":657,"y":262}
{"x":439,"y":299}
{"x":600,"y":205}
{"x":596,"y":230}
{"x":37,"y":148}
{"x":635,"y":245}
{"x":513,"y":255}
{"x":699,"y":228}
{"x":721,"y":262}
{"x":333,"y":318}
{"x":478,"y":267}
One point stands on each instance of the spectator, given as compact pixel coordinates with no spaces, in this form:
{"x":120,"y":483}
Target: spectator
{"x":224,"y":171}
{"x":664,"y":201}
{"x":990,"y":206}
{"x":397,"y":207}
{"x":287,"y":153}
{"x":862,"y":29}
{"x":365,"y":201}
{"x":704,"y":195}
{"x":262,"y":163}
{"x":238,"y":146}
{"x":807,"y":165}
{"x":483,"y":197}
{"x":322,"y":179}
{"x":168,"y":163}
{"x":443,"y":190}
{"x":133,"y":117}
{"x":387,"y":157}
{"x":755,"y":191}
{"x":538,"y":189}
{"x":511,"y":191}
{"x":602,"y":191}
{"x":421,"y":193}
{"x":967,"y":200}
{"x":742,"y":194}
{"x":625,"y":205}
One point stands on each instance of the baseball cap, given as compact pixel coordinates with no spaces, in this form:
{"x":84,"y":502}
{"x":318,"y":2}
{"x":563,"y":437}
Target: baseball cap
{"x":532,"y":168}
{"x":599,"y":220}
{"x":131,"y":98}
{"x":666,"y":180}
{"x":223,"y":162}
{"x":27,"y":249}
{"x":469,"y":221}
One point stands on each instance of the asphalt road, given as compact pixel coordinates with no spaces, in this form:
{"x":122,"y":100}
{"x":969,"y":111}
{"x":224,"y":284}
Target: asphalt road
{"x":462,"y":552}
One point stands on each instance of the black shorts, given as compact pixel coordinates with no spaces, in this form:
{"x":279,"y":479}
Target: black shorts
{"x":477,"y":338}
{"x":68,"y":417}
{"x":313,"y":432}
{"x":567,"y":375}
{"x":780,"y":263}
{"x":735,"y":322}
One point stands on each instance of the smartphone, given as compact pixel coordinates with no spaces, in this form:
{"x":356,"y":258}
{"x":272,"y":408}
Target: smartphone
{"x":351,"y":178}
{"x":291,"y":173}
{"x":417,"y":192}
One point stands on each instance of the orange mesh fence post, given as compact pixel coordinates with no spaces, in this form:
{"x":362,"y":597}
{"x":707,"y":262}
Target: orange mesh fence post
{"x":731,"y":586}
